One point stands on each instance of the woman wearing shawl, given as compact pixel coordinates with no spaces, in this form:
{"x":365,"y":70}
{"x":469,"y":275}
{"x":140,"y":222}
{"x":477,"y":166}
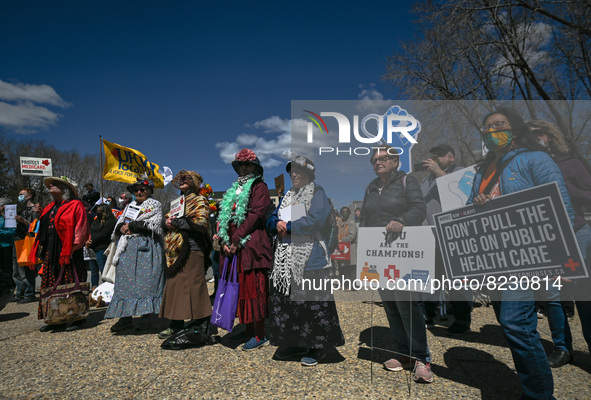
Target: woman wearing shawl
{"x":139,"y":282}
{"x":298,"y":327}
{"x":63,"y":231}
{"x":242,"y":234}
{"x":187,"y":248}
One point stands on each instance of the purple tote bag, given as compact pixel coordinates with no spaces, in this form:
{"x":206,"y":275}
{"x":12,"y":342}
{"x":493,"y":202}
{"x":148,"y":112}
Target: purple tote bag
{"x":226,"y":298}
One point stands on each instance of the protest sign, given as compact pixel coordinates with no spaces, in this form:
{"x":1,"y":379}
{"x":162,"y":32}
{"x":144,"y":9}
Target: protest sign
{"x":177,"y":207}
{"x":406,"y":264}
{"x":10,"y":215}
{"x":523,"y":234}
{"x":342,"y":252}
{"x":36,"y":166}
{"x":455,"y":188}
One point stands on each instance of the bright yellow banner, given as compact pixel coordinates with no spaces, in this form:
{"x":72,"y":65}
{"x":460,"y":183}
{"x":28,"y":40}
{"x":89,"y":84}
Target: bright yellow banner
{"x":123,"y":164}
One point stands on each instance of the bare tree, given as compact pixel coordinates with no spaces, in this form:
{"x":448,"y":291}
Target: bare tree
{"x":503,"y":50}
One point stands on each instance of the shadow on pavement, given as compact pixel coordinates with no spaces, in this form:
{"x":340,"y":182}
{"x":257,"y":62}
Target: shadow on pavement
{"x":13,"y":316}
{"x":479,"y":369}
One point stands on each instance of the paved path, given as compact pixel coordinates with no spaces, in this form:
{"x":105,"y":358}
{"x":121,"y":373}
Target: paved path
{"x":95,"y":364}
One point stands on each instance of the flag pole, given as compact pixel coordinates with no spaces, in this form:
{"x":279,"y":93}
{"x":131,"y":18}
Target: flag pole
{"x":101,"y":170}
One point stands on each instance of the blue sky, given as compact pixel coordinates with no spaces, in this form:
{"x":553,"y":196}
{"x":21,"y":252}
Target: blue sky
{"x":181,"y":81}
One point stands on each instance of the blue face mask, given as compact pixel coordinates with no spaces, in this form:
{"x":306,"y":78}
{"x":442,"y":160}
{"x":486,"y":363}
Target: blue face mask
{"x":21,"y":198}
{"x":108,"y":202}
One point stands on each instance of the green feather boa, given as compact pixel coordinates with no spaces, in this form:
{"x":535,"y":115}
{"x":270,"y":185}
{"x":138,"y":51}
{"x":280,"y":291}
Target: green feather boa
{"x":227,"y":212}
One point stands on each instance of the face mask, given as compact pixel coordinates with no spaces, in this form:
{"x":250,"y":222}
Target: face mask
{"x":542,"y":143}
{"x":107,"y":202}
{"x":120,"y":202}
{"x":21,"y":198}
{"x":497,"y":140}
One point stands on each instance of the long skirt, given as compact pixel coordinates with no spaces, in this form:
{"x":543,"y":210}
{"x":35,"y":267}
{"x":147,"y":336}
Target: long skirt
{"x":253,"y":300}
{"x":48,"y":278}
{"x":139,"y":279}
{"x":185,"y":294}
{"x":308,"y":324}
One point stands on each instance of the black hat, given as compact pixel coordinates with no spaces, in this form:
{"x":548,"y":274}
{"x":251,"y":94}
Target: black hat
{"x":303,"y":162}
{"x":442,"y":149}
{"x":248,"y":156}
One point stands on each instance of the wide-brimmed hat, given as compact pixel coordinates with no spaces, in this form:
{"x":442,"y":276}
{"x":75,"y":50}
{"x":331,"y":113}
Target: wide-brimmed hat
{"x":303,"y":162}
{"x":194,"y":176}
{"x":142,"y":181}
{"x":62,"y":179}
{"x":248,"y":156}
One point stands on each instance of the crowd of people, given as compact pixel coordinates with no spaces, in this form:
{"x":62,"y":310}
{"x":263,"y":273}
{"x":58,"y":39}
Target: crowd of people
{"x":161,"y":260}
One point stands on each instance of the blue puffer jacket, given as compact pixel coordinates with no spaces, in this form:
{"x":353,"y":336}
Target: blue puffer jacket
{"x":310,"y":225}
{"x":526,"y":170}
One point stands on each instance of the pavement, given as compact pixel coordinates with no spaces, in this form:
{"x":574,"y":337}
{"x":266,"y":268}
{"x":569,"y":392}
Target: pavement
{"x":93,"y":363}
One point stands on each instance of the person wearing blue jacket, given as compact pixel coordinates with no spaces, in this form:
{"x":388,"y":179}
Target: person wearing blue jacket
{"x":523,"y":164}
{"x":298,"y":327}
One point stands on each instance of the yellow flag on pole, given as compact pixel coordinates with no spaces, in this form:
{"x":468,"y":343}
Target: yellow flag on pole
{"x":123,"y":164}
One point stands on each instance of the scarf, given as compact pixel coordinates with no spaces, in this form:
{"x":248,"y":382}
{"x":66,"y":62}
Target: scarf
{"x":151,"y":213}
{"x":290,"y":258}
{"x":234,"y":207}
{"x":177,"y":247}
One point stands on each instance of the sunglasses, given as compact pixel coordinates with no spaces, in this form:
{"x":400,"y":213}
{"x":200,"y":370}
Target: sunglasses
{"x":381,"y":159}
{"x":141,"y":190}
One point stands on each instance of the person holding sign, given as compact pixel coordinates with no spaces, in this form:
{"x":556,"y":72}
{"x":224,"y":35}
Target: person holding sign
{"x":395,"y":200}
{"x":242,"y":234}
{"x":187,"y":248}
{"x":139,"y":281}
{"x":63,"y":231}
{"x":298,"y":327}
{"x":516,"y":161}
{"x":441,"y":163}
{"x":578,"y":183}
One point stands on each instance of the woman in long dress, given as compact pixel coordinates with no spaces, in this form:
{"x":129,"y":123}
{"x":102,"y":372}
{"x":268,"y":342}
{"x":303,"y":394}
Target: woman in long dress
{"x":300,"y":327}
{"x":139,"y":280}
{"x":187,"y":248}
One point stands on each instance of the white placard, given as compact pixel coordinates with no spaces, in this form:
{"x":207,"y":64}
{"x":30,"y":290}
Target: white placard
{"x":455,"y":188}
{"x":408,"y":262}
{"x":177,"y":207}
{"x":36,"y":166}
{"x":10,"y":215}
{"x":131,"y":213}
{"x":293,"y":213}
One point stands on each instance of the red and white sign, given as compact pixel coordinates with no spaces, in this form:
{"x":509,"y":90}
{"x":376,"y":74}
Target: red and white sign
{"x":36,"y":166}
{"x":342,"y":252}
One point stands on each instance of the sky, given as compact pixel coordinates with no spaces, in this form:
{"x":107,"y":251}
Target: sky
{"x":188,"y":83}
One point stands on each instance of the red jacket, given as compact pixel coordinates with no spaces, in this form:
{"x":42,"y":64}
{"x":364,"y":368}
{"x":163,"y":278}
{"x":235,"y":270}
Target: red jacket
{"x":72,"y":228}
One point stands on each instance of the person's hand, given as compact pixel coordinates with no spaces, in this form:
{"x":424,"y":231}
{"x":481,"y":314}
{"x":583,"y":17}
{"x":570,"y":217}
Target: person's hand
{"x":88,"y":244}
{"x":125,"y":229}
{"x":394,"y":226}
{"x":433,"y":167}
{"x":282,"y":228}
{"x":227,"y":251}
{"x":233,"y":248}
{"x":482,"y":198}
{"x":19,"y":219}
{"x":215,"y":237}
{"x":168,"y":222}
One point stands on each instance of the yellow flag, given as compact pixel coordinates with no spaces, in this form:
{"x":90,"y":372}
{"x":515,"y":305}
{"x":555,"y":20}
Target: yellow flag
{"x":123,"y":164}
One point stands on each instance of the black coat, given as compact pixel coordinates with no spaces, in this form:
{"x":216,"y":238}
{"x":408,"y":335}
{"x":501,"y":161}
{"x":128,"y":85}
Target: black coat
{"x":394,"y":203}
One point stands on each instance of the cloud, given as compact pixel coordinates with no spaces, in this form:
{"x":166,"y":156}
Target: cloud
{"x":371,"y":100}
{"x":287,"y":134}
{"x":43,"y":94}
{"x":20,"y":109}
